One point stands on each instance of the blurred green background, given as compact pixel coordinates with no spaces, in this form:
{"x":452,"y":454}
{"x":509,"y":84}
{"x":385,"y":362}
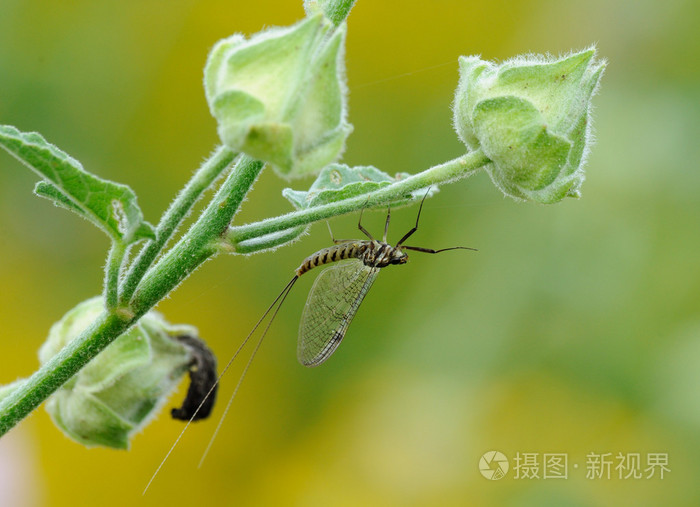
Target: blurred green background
{"x":575,"y":329}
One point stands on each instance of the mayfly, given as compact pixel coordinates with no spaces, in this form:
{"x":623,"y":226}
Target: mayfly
{"x":332,"y":303}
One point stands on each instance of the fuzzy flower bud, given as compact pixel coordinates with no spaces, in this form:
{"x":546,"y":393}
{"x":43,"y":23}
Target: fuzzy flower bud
{"x":531,"y":117}
{"x":280,"y":96}
{"x":118,"y":392}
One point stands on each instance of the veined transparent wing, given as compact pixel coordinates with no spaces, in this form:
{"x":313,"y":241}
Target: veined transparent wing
{"x":332,"y":303}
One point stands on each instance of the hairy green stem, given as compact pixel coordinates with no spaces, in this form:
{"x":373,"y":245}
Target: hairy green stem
{"x":32,"y":392}
{"x":197,"y":244}
{"x":173,"y":217}
{"x":113,"y":268}
{"x":337,"y":10}
{"x":461,"y":167}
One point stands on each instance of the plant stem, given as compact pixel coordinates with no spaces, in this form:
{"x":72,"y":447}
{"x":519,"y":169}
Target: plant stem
{"x":173,"y":217}
{"x":197,"y":244}
{"x":460,"y":167}
{"x":52,"y":375}
{"x":112,"y":272}
{"x":337,"y":10}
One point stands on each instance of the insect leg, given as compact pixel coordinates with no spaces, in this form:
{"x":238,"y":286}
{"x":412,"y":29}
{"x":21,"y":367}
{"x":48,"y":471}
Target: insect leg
{"x":386,"y":225}
{"x":409,"y":233}
{"x":359,"y":224}
{"x":336,"y":241}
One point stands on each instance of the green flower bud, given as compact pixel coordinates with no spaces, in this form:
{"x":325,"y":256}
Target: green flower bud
{"x":280,"y":96}
{"x":118,"y":392}
{"x":531,"y":117}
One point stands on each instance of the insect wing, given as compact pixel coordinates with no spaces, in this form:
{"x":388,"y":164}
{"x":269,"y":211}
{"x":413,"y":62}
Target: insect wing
{"x":332,"y":303}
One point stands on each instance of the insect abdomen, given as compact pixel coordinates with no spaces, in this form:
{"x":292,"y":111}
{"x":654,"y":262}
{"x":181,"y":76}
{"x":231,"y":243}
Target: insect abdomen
{"x":352,"y":250}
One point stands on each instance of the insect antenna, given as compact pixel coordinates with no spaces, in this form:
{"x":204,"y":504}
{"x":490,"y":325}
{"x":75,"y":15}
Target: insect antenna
{"x":280,"y":298}
{"x":430,"y":250}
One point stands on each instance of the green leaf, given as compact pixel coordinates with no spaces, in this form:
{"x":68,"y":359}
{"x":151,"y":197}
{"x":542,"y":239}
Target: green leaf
{"x":337,"y":182}
{"x":110,"y":206}
{"x":49,"y":191}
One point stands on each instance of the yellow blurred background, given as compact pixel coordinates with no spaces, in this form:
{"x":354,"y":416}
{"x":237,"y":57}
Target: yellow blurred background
{"x":575,"y":329}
